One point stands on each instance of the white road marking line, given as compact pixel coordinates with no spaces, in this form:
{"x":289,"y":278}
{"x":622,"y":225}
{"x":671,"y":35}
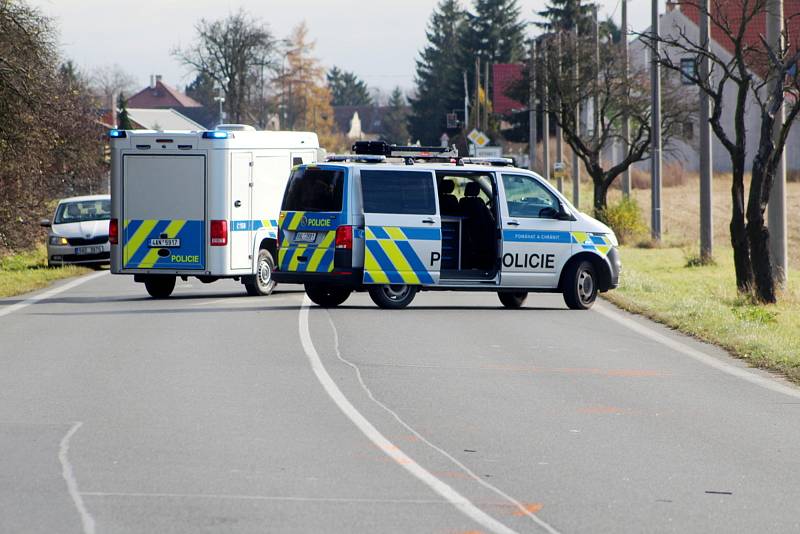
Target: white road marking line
{"x":720,"y":365}
{"x":51,"y":293}
{"x":379,"y":440}
{"x":279,"y":498}
{"x":72,"y":485}
{"x":520,"y":508}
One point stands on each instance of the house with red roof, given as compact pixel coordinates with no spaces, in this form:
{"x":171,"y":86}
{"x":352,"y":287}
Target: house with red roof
{"x":682,"y":18}
{"x":159,"y":95}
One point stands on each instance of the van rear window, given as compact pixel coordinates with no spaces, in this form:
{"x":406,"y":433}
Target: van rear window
{"x":404,"y":192}
{"x":314,"y":189}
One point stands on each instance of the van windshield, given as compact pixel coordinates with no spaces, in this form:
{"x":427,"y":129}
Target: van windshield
{"x":314,"y":189}
{"x":83,"y":210}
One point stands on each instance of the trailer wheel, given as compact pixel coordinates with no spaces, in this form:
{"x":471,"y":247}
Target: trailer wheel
{"x":261,"y":284}
{"x":580,"y":286}
{"x":160,"y":287}
{"x":392,"y":297}
{"x":327,"y":296}
{"x":514,"y":299}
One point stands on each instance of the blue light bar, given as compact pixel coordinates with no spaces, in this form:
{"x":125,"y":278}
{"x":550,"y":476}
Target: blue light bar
{"x":215,"y":134}
{"x":117,"y":134}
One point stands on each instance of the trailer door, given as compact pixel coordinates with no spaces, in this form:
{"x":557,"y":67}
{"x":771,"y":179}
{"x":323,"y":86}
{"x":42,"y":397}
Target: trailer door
{"x":163,"y":212}
{"x":241,"y":210}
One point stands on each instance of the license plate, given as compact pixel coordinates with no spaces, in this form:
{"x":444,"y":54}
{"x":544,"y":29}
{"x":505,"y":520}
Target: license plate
{"x":82,"y":251}
{"x":305,"y":237}
{"x":164,"y":243}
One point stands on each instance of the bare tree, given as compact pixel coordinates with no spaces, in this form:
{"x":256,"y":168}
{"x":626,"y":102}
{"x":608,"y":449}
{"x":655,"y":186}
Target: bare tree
{"x":109,"y":81}
{"x":233,"y":52}
{"x":757,"y":74}
{"x":616,"y":94}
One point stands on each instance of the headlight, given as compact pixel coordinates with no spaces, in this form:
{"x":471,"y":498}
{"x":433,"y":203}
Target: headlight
{"x":58,"y":240}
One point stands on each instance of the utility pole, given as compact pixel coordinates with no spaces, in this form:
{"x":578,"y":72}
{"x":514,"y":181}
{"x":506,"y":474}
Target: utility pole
{"x":576,"y":170}
{"x":546,"y":117}
{"x":466,"y":105}
{"x":596,"y":118}
{"x":655,"y":147}
{"x":706,"y":165}
{"x":486,"y":96}
{"x":776,"y":212}
{"x":559,"y":135}
{"x":626,"y":121}
{"x":477,"y":108}
{"x":532,"y":108}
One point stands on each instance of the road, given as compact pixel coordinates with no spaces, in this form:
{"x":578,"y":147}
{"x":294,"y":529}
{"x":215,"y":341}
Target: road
{"x":216,"y":412}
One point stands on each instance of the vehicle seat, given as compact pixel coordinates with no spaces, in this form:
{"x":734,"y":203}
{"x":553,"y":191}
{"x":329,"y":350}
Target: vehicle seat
{"x":448,"y":203}
{"x":479,"y":227}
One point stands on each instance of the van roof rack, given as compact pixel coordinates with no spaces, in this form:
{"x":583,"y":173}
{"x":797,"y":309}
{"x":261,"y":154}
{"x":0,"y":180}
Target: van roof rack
{"x":496,"y":162}
{"x":381,"y":148}
{"x":356,"y":158}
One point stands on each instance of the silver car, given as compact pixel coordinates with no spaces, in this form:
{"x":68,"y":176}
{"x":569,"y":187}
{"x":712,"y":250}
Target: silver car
{"x":79,"y":231}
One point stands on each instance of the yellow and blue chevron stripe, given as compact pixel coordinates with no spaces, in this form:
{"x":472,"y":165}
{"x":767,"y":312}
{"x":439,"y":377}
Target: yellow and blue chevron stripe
{"x":595,"y":242}
{"x":308,"y":257}
{"x":389,"y":257}
{"x":137,"y":253}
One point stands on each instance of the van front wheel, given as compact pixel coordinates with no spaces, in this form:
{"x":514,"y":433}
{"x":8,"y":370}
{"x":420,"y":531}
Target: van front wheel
{"x":580,"y":286}
{"x":514,"y":299}
{"x":261,"y":284}
{"x":392,"y":297}
{"x":327,"y":296}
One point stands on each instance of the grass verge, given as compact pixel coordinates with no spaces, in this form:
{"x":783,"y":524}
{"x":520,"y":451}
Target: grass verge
{"x":28,"y":271}
{"x":702,"y":301}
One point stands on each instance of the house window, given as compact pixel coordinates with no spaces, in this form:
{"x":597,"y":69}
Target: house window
{"x":688,"y":71}
{"x":688,"y":130}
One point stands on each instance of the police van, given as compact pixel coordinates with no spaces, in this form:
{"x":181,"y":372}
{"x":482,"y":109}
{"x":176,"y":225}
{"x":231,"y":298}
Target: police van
{"x":203,"y":204}
{"x":433,"y":221}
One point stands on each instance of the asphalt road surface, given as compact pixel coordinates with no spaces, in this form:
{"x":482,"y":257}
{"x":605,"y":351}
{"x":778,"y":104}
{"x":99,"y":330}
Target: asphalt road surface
{"x":217,"y":412}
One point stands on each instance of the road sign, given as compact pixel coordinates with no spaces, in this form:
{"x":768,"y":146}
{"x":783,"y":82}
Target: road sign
{"x":479,"y":138}
{"x":559,"y":170}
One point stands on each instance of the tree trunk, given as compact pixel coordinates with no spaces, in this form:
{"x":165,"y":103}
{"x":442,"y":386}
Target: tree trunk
{"x":739,"y":241}
{"x":600,"y":201}
{"x":757,"y":232}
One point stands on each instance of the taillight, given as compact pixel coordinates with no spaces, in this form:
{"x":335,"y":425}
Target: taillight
{"x":219,"y":233}
{"x":344,"y":237}
{"x":113,"y":231}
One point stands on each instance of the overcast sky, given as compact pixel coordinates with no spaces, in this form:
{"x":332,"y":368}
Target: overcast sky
{"x":377,"y":39}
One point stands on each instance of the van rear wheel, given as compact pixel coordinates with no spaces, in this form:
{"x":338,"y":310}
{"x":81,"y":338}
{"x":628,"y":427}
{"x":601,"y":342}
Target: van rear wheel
{"x":513,"y":299}
{"x":261,"y":284}
{"x":580,"y":286}
{"x":392,"y":297}
{"x":160,"y":287}
{"x":327,"y":296}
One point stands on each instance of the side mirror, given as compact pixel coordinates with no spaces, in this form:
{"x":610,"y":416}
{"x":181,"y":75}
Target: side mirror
{"x":564,"y":216}
{"x":548,"y":213}
{"x":45,"y":223}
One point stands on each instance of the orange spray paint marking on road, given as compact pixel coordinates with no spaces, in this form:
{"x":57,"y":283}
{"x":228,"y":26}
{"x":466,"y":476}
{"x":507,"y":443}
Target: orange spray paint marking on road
{"x":533,"y":508}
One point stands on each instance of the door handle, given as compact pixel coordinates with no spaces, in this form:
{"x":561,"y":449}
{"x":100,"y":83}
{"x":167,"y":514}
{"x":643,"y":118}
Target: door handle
{"x":237,"y":204}
{"x":429,"y":221}
{"x":512,"y":223}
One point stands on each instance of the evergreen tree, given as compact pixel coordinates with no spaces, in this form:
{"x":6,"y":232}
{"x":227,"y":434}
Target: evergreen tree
{"x":347,"y":89}
{"x":438,"y":74}
{"x":123,"y":119}
{"x":562,"y":15}
{"x":494,"y":33}
{"x":395,"y":129}
{"x":202,"y":89}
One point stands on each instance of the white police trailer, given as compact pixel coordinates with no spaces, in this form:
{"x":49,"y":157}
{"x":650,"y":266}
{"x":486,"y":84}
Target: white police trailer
{"x":202,"y":204}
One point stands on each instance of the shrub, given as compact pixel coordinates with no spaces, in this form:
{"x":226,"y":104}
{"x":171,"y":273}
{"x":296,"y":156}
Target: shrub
{"x":625,"y":218}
